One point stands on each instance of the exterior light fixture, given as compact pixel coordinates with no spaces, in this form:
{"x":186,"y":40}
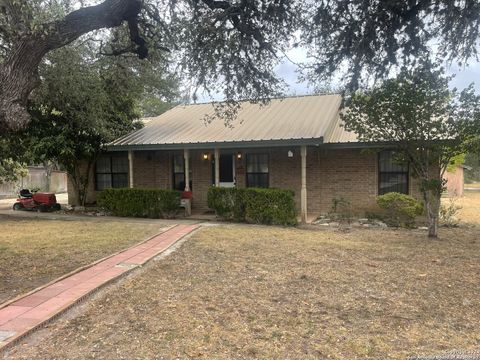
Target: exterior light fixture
{"x":205,"y":156}
{"x":290,"y":154}
{"x":239,"y":155}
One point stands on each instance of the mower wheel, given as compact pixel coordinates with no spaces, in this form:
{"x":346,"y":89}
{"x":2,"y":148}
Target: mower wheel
{"x":41,"y":208}
{"x":17,"y":206}
{"x":56,"y":207}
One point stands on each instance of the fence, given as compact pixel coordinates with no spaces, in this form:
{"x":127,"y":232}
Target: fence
{"x":36,"y":179}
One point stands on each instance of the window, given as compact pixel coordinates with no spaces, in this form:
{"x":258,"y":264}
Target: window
{"x":111,"y":171}
{"x":179,"y":173}
{"x":392,"y":177}
{"x":257,"y":170}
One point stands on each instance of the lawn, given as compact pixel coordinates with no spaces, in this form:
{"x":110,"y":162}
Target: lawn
{"x":470,"y":207}
{"x":245,"y":292}
{"x":34,"y":252}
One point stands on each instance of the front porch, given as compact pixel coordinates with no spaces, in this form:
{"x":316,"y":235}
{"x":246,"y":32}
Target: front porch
{"x":196,"y":170}
{"x":325,"y":173}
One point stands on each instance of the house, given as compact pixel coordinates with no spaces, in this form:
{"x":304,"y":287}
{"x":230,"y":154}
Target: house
{"x":455,"y":180}
{"x":295,"y":143}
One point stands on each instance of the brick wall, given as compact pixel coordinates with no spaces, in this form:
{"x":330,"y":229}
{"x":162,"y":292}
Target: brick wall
{"x":348,"y":173}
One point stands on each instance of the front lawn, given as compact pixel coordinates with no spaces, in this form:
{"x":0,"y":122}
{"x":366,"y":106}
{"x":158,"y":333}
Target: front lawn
{"x":236,"y":292}
{"x":34,"y":252}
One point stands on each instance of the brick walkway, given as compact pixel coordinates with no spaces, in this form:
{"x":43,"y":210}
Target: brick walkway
{"x":19,"y":318}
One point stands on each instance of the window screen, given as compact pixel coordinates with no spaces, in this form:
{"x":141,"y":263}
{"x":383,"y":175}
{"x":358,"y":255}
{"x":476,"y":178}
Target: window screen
{"x":393,"y":176}
{"x":111,"y":171}
{"x":178,"y":173}
{"x":257,"y":170}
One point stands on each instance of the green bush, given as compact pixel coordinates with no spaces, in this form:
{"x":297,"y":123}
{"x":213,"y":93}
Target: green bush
{"x":400,"y":209}
{"x":260,"y":206}
{"x":146,"y":203}
{"x":341,"y":210}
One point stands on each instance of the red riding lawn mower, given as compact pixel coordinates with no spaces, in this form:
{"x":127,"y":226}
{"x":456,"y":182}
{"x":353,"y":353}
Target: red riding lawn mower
{"x":36,"y":201}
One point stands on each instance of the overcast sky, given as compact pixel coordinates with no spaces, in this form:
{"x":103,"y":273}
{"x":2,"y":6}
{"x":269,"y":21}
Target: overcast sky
{"x":287,"y":71}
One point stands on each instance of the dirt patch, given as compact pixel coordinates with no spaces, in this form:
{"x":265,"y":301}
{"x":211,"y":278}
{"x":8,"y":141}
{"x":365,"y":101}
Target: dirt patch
{"x":34,"y":252}
{"x":241,"y":292}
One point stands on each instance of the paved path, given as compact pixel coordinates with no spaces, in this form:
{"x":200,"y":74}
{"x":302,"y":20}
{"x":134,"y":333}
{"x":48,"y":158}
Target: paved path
{"x":24,"y":315}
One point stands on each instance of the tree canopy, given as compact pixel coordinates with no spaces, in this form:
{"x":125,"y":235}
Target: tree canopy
{"x":232,"y":46}
{"x":83,"y":104}
{"x":428,"y":125}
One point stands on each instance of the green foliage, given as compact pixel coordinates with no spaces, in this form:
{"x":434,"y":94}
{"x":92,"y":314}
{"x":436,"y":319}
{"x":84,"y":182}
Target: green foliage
{"x":472,"y":160}
{"x":401,"y":209}
{"x":449,"y":212}
{"x":341,"y":210}
{"x":455,"y":162}
{"x":260,"y":206}
{"x":367,"y":39}
{"x":81,"y":106}
{"x":430,"y":125}
{"x":145,"y":203}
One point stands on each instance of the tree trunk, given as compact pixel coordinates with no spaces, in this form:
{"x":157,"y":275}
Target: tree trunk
{"x":432,"y":204}
{"x":19,"y":70}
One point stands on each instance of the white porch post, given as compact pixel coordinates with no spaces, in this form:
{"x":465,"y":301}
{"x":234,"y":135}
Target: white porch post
{"x":217,"y":167}
{"x":130,"y":168}
{"x":303,"y":193}
{"x":186,"y":156}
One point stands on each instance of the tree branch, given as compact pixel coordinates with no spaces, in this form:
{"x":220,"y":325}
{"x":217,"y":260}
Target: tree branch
{"x":19,"y":71}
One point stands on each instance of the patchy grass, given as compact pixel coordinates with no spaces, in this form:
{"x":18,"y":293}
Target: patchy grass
{"x":34,"y":252}
{"x":247,"y":292}
{"x":470,"y":211}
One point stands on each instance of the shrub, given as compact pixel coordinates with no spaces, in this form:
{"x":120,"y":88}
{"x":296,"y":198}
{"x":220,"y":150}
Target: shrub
{"x":448,"y":213}
{"x":150,"y":203}
{"x":260,"y":206}
{"x":341,"y":210}
{"x":400,"y":209}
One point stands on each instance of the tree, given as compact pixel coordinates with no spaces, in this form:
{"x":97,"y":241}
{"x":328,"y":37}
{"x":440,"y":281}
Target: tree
{"x":367,"y":40}
{"x":236,"y":42}
{"x":429,"y":125}
{"x":232,"y":46}
{"x":81,"y":106}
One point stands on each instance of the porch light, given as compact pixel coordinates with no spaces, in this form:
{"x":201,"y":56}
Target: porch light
{"x":290,"y":154}
{"x":239,"y":155}
{"x":205,"y":156}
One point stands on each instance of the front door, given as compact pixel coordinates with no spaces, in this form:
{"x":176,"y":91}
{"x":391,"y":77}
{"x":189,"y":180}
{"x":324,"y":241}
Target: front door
{"x":227,"y":170}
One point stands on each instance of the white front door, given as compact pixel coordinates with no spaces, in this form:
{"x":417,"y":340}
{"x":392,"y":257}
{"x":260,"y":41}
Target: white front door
{"x":227,"y":170}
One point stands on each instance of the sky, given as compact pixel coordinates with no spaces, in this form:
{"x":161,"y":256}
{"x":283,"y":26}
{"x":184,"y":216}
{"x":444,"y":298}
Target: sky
{"x":287,"y":71}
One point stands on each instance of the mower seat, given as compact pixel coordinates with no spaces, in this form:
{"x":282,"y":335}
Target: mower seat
{"x":25,"y":193}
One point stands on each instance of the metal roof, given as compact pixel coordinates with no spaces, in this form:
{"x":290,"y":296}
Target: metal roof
{"x":308,"y":120}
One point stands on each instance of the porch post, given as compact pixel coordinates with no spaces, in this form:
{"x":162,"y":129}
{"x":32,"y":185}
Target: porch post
{"x":186,"y":156}
{"x":303,"y":193}
{"x":217,"y":168}
{"x":130,"y":168}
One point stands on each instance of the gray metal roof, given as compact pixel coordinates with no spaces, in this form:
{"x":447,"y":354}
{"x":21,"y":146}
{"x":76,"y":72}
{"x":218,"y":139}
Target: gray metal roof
{"x":294,"y":120}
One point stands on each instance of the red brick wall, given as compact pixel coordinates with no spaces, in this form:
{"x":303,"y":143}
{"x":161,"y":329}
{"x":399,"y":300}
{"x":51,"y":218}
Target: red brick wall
{"x":351,"y":174}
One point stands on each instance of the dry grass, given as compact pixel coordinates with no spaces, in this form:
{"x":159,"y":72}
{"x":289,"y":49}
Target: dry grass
{"x":245,"y":292}
{"x":34,"y":252}
{"x":470,"y":211}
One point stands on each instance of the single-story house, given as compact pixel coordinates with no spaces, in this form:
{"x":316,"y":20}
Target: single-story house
{"x":455,"y":181}
{"x":294,"y":143}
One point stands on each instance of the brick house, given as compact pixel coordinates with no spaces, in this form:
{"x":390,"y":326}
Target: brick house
{"x":294,"y":143}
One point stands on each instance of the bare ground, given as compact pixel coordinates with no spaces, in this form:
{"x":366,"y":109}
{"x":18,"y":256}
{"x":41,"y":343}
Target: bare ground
{"x":247,"y":292}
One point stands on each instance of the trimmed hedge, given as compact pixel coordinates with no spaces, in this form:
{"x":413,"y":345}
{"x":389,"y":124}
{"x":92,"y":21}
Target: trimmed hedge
{"x":146,"y":203}
{"x":401,"y":209}
{"x":254,"y":205}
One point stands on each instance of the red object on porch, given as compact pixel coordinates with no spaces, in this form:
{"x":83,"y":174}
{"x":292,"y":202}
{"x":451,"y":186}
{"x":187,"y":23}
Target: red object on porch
{"x":187,"y":195}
